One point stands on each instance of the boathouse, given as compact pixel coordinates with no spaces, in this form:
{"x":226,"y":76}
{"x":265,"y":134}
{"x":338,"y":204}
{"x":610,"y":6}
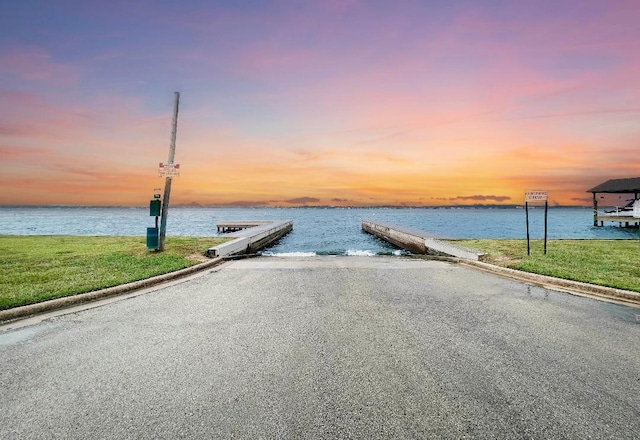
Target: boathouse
{"x":621,"y":215}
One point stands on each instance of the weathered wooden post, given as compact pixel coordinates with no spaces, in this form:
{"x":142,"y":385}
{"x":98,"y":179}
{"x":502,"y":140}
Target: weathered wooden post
{"x":169,"y":170}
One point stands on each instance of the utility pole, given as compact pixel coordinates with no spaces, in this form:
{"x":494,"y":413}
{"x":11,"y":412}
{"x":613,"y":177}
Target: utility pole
{"x":167,"y":182}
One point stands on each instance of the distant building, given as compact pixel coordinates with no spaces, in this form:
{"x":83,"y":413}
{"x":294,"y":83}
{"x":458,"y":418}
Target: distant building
{"x":622,"y":215}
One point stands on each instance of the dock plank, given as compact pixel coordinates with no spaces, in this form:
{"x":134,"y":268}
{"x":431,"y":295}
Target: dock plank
{"x":232,"y":226}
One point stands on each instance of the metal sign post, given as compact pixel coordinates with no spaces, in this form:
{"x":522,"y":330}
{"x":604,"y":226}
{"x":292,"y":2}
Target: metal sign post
{"x":536,"y":196}
{"x":546,"y":209}
{"x":526,"y":213}
{"x":171,"y":168}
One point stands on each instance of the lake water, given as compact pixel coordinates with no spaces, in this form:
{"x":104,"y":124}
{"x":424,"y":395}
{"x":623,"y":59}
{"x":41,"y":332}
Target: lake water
{"x":328,"y":231}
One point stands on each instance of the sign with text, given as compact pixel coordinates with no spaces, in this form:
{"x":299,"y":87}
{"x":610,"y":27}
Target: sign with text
{"x":169,"y":170}
{"x":536,"y":196}
{"x":533,"y":197}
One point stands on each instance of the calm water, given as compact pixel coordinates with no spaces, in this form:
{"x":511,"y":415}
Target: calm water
{"x":315,"y":230}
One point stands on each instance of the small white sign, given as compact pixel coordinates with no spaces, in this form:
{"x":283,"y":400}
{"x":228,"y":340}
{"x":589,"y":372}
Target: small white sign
{"x":536,"y":196}
{"x":169,"y":170}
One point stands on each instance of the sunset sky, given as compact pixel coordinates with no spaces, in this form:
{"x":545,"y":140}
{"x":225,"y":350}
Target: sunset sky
{"x":318,"y":102}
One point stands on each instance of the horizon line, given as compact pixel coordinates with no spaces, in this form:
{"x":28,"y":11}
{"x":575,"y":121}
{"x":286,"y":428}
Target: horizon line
{"x":197,"y":205}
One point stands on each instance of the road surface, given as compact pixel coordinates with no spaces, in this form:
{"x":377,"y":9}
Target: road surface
{"x":324,"y":348}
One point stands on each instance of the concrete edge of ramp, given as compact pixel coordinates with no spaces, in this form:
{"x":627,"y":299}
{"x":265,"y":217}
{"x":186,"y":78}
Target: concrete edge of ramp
{"x":627,"y":297}
{"x":421,"y":242}
{"x":245,"y":242}
{"x":611,"y":294}
{"x":16,"y":313}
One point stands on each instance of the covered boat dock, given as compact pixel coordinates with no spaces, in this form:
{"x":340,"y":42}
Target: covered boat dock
{"x":623,"y":216}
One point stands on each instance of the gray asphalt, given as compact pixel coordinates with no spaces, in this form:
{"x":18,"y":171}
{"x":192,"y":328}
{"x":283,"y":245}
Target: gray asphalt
{"x":328,"y":347}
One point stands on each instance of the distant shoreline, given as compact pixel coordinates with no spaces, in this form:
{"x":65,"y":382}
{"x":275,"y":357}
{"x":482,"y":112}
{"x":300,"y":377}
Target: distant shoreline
{"x":178,"y":205}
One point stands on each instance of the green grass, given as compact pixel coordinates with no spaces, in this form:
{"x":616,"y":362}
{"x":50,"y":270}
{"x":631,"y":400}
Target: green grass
{"x":612,"y":263}
{"x":38,"y":268}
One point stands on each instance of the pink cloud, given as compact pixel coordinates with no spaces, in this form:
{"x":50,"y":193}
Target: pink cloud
{"x":375,"y":100}
{"x":20,"y":154}
{"x":35,"y":65}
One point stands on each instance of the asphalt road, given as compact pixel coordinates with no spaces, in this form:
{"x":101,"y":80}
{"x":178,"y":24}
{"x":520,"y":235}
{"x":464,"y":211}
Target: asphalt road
{"x":328,"y":347}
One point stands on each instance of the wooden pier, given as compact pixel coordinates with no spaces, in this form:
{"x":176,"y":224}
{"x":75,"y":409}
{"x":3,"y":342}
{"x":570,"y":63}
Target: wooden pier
{"x":251,"y":239}
{"x":624,"y":221}
{"x":417,"y":241}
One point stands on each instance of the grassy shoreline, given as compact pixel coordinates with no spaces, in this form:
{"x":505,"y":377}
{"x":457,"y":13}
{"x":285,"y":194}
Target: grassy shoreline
{"x":610,"y":263}
{"x":37,"y":268}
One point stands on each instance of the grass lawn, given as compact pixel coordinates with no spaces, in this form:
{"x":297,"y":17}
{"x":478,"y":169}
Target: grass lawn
{"x":612,"y":263}
{"x":37,"y":268}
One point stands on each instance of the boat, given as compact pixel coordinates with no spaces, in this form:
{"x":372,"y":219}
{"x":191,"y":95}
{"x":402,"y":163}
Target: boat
{"x":623,"y":211}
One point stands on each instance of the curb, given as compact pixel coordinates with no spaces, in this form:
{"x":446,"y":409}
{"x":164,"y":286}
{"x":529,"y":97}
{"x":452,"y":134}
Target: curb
{"x":16,"y":313}
{"x":570,"y":286}
{"x":574,"y":287}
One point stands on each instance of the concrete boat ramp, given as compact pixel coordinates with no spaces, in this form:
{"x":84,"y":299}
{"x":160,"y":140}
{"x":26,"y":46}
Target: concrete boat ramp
{"x":253,"y":235}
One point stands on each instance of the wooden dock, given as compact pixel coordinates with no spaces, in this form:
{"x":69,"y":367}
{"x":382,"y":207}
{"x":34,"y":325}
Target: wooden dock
{"x":225,"y":227}
{"x":417,"y":241}
{"x":625,"y":221}
{"x":252,"y":238}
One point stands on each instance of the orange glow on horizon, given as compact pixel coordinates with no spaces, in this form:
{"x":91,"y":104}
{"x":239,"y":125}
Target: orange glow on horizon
{"x":427,"y":106}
